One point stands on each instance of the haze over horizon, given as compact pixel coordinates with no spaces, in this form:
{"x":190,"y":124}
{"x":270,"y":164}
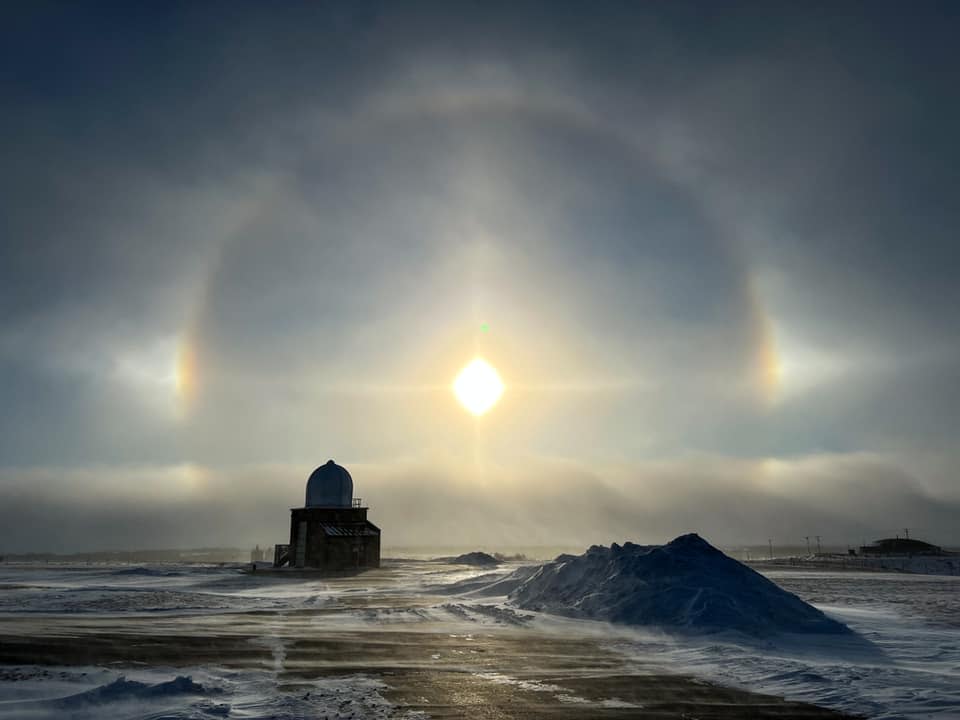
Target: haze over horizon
{"x":711,"y":254}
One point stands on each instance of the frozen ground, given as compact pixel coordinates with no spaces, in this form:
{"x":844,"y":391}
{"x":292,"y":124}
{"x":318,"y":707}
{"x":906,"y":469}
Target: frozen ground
{"x":208,"y":642}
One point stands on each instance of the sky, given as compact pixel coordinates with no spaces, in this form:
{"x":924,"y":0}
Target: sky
{"x":711,"y":251}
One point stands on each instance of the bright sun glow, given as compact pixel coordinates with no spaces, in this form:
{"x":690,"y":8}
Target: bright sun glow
{"x":478,"y":387}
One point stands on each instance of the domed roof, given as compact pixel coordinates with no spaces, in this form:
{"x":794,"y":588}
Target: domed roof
{"x":330,"y":485}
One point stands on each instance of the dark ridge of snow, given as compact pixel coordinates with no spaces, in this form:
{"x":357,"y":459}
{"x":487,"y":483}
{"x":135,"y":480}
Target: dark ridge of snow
{"x":471,"y":558}
{"x":516,"y":557}
{"x":121,"y":688}
{"x":147,"y":572}
{"x":487,"y":585}
{"x":476,"y":558}
{"x":686,"y":583}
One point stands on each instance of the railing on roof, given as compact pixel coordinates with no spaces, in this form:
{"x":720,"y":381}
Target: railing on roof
{"x":357,"y":502}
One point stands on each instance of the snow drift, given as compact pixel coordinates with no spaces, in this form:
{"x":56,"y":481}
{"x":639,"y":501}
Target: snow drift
{"x":686,"y":583}
{"x":476,"y":557}
{"x":123,"y":689}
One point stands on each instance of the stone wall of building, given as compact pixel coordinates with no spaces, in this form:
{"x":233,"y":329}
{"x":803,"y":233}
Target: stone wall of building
{"x":333,"y":539}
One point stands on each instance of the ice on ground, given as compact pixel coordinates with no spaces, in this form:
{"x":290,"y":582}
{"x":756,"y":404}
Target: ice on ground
{"x":912,"y":620}
{"x":686,"y":584}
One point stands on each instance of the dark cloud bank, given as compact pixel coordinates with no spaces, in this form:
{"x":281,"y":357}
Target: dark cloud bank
{"x":846,"y":502}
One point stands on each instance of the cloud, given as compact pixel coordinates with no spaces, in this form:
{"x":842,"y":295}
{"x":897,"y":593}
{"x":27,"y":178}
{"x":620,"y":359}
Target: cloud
{"x":236,"y":248}
{"x":538,"y":503}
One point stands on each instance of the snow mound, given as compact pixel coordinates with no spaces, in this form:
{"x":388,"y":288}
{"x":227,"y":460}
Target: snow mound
{"x":471,"y":558}
{"x":686,"y":584}
{"x":123,"y":688}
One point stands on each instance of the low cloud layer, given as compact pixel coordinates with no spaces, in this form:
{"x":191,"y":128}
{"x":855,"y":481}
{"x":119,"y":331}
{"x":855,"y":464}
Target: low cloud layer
{"x":845,"y":499}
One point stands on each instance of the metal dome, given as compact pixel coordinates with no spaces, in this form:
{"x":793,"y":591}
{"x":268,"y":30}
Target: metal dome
{"x":330,"y":485}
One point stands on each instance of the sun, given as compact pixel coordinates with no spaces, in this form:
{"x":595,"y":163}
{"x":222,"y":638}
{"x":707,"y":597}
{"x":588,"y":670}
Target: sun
{"x":478,"y":386}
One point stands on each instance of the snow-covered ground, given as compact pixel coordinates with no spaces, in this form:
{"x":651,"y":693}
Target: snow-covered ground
{"x":920,"y":564}
{"x":902,"y":661}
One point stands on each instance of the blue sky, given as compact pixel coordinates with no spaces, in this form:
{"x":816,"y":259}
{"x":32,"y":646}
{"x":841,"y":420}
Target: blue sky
{"x":715,"y":250}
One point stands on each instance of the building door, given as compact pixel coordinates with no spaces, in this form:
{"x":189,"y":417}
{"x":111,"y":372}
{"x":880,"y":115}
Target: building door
{"x":301,"y":544}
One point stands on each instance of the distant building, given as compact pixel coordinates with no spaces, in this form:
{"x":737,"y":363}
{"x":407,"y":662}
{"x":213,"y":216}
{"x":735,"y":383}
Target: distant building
{"x":900,"y":546}
{"x":332,"y":531}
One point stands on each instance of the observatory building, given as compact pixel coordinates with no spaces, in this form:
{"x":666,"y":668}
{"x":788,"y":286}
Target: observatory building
{"x":332,"y":531}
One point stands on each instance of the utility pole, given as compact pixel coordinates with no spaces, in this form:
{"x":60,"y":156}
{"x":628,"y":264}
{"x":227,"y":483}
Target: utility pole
{"x":770,"y":543}
{"x":818,"y":545}
{"x":807,"y":538}
{"x":906,"y":533}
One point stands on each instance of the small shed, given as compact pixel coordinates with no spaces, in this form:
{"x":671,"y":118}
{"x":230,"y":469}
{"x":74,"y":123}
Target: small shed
{"x":900,"y":546}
